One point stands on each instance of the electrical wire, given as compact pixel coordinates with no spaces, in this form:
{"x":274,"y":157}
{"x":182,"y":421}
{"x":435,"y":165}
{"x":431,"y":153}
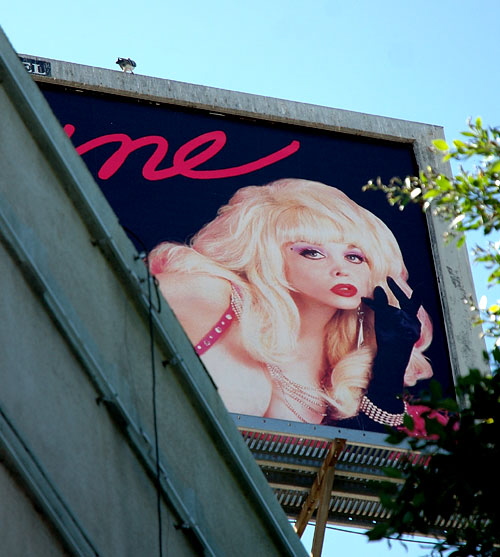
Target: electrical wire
{"x":404,"y":540}
{"x":151,"y":280}
{"x":362,"y":533}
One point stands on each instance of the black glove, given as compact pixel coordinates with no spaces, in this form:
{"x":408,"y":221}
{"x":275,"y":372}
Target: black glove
{"x":396,"y":331}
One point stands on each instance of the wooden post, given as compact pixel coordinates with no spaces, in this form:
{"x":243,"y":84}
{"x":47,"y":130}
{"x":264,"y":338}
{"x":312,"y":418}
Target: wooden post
{"x":319,"y":498}
{"x":322,"y":514}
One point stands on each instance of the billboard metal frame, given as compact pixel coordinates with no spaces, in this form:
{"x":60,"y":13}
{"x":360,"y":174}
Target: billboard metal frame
{"x":290,"y":453}
{"x":451,"y":264}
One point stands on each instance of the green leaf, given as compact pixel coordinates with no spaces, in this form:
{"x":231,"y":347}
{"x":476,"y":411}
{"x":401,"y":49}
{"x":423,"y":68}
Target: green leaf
{"x":496,"y":167}
{"x":443,"y":183}
{"x":378,"y":532}
{"x":429,"y":194}
{"x":408,"y":517}
{"x":408,"y":422}
{"x":440,"y":144}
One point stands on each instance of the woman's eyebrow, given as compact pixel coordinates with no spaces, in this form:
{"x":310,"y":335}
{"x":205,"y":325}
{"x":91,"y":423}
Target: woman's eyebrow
{"x":307,"y":243}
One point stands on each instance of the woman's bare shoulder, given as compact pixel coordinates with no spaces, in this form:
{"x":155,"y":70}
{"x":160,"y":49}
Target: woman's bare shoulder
{"x":198,"y":300}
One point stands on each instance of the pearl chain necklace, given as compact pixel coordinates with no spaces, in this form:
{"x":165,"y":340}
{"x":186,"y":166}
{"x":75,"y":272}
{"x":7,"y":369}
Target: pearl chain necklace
{"x":311,"y":398}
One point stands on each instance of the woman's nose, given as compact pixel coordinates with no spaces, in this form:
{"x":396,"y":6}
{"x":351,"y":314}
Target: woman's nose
{"x":339,"y":270}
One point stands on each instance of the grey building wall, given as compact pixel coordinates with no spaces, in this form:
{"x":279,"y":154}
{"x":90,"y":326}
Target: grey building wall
{"x":79,"y":372}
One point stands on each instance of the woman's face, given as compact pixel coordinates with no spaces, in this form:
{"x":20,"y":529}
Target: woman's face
{"x":335,"y":275}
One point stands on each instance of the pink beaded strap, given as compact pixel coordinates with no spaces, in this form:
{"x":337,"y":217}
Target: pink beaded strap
{"x":232,"y":313}
{"x":214,"y":334}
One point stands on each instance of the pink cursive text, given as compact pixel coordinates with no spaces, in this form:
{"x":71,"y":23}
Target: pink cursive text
{"x":184,"y":160}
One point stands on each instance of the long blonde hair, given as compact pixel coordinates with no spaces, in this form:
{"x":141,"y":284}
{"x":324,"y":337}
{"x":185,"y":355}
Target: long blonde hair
{"x":243,"y":244}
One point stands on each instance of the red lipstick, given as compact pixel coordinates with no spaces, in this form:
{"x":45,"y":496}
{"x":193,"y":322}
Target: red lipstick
{"x":346,"y":290}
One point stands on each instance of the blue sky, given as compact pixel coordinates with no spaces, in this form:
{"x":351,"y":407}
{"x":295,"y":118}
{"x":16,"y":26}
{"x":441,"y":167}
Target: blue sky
{"x":429,"y":61}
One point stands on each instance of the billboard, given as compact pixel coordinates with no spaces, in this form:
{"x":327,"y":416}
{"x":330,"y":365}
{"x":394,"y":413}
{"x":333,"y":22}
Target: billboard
{"x":307,"y":299}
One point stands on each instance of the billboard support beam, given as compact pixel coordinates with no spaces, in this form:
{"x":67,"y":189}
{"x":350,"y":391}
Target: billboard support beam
{"x":322,"y":514}
{"x":319,"y":497}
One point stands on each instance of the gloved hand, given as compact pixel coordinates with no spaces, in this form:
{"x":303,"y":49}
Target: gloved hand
{"x":396,"y":331}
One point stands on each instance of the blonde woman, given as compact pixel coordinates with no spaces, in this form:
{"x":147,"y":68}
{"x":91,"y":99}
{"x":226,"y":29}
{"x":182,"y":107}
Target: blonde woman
{"x":296,"y":299}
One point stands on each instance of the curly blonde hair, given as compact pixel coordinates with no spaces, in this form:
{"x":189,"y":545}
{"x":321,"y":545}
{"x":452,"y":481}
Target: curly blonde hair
{"x":244,"y":244}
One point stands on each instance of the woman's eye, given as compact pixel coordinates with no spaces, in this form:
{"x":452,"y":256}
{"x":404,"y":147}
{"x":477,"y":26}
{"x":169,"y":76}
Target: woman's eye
{"x":355,"y":257}
{"x":311,"y":253}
